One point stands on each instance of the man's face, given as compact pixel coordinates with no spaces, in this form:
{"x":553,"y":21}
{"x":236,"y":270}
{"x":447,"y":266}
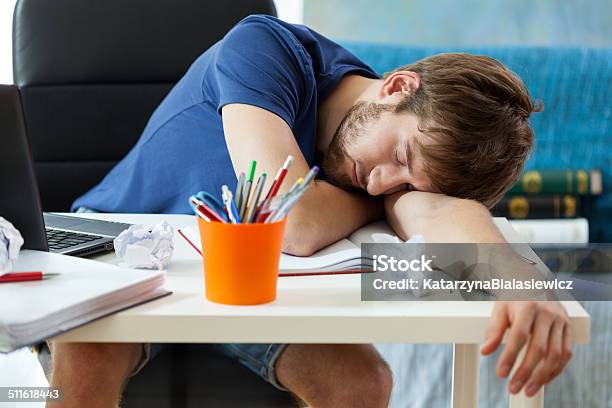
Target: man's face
{"x":374,"y":150}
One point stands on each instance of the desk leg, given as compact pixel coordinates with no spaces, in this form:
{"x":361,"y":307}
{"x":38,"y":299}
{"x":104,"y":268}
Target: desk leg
{"x":466,"y":361}
{"x":521,"y":400}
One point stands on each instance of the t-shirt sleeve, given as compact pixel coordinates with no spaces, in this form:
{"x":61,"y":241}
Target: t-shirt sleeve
{"x":259,"y":64}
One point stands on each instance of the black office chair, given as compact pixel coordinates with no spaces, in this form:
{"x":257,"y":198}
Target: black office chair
{"x":90,"y":74}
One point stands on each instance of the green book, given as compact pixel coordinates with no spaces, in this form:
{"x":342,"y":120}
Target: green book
{"x":580,"y":182}
{"x":529,"y":207}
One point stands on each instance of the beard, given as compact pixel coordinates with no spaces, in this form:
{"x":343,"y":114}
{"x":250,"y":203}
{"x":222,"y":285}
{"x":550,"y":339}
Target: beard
{"x":351,"y":129}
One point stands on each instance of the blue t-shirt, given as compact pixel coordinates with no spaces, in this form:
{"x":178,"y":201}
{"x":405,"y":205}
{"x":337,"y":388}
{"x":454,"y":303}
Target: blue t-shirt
{"x":283,"y":68}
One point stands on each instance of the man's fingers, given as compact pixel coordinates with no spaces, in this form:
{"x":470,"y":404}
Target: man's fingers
{"x":566,"y":353}
{"x":536,"y":350}
{"x":545,"y":367}
{"x":519,"y":334}
{"x":497,"y":327}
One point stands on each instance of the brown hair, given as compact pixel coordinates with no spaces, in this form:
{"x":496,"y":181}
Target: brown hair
{"x":476,"y":110}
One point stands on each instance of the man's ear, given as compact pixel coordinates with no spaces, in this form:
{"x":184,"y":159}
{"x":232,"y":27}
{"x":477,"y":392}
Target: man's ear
{"x":400,"y":83}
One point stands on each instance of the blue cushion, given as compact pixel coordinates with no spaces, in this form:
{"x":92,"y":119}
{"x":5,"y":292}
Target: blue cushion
{"x":574,"y":130}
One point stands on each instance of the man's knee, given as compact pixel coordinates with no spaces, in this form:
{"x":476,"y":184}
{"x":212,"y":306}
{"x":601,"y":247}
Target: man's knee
{"x":336,"y":375}
{"x":96,"y":359}
{"x":373,"y":386}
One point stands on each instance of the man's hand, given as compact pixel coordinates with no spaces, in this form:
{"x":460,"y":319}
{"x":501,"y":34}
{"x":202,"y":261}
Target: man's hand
{"x":542,"y":327}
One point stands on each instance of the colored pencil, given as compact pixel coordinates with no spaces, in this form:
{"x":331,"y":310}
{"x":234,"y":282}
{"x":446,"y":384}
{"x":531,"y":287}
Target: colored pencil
{"x":252,"y":206}
{"x":247,"y":189}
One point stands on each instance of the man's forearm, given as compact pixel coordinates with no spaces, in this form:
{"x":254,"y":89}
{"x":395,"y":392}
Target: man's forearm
{"x":327,"y":214}
{"x":440,"y":218}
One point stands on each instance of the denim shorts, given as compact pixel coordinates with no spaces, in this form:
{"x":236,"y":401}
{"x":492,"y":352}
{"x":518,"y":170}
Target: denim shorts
{"x":259,"y":358}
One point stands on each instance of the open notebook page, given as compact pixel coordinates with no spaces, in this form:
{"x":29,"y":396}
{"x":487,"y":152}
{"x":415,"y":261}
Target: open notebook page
{"x":340,"y":255}
{"x":371,"y":233}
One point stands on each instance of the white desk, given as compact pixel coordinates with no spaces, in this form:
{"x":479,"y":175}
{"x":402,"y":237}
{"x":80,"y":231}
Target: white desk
{"x":307,"y":310}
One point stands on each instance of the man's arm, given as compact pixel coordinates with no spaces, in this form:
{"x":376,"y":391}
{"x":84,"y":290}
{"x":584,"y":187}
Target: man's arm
{"x":325,"y":213}
{"x":541,"y":326}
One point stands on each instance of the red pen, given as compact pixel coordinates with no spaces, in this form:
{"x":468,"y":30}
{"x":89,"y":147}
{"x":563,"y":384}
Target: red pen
{"x":279,"y":178}
{"x":25,"y":276}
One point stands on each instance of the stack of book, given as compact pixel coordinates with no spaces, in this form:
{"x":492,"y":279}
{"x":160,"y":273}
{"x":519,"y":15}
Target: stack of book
{"x":544,"y":206}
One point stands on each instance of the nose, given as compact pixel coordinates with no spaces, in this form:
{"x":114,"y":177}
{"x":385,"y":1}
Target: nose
{"x":384,"y":179}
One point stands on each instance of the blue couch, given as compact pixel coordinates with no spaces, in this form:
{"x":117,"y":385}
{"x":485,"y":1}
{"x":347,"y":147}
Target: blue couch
{"x":575,"y":129}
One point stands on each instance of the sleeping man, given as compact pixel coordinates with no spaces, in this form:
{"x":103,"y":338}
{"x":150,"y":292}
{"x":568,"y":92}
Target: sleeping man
{"x":430,"y":146}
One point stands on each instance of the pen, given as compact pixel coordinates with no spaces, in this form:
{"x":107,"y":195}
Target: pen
{"x":265,"y":206}
{"x":278,"y":180}
{"x":253,"y":204}
{"x":296,"y":185}
{"x":239,"y":187}
{"x":280,"y":176}
{"x":247,"y":188}
{"x":309,"y":177}
{"x":204,"y":211}
{"x":25,"y":276}
{"x":292,"y":199}
{"x":230,"y":205}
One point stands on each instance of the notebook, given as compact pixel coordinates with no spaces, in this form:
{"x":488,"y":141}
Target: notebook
{"x":341,"y":257}
{"x":86,"y":290}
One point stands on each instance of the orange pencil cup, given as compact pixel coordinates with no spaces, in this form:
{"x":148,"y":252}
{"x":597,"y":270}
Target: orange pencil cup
{"x":241,"y":261}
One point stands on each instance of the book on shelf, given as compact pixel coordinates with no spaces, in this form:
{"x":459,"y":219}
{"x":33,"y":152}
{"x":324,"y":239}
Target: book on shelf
{"x":573,"y":258}
{"x":562,"y":181}
{"x":553,"y":231}
{"x":546,"y":206}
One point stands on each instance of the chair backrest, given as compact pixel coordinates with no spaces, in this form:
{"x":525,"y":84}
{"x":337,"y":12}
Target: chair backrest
{"x":91,"y":73}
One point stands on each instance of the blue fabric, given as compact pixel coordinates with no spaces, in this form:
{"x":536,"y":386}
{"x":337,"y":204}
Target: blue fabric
{"x":422,"y":372}
{"x":182,"y":149}
{"x":260,"y":358}
{"x":575,"y":129}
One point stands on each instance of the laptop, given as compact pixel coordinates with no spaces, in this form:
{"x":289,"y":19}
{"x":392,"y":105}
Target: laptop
{"x":20,"y":202}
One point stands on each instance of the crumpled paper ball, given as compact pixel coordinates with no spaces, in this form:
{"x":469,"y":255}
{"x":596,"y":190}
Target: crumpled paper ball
{"x":145,"y":246}
{"x":10,"y":244}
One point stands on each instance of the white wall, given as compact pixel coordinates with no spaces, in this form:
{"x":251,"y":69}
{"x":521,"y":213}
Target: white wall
{"x":291,"y":11}
{"x":6,"y":23}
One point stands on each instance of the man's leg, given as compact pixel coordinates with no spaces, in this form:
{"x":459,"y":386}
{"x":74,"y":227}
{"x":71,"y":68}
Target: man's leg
{"x":342,"y":375}
{"x":92,"y":374}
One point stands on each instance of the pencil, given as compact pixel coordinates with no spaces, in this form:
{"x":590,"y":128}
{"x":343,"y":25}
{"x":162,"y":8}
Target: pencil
{"x":247,"y":189}
{"x":252,"y":206}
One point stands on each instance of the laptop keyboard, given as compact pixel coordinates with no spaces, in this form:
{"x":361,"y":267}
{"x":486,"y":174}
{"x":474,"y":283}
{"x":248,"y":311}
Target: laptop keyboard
{"x":59,"y":239}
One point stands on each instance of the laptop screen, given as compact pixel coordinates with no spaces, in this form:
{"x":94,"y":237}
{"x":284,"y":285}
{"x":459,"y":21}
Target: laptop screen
{"x":19,"y":199}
